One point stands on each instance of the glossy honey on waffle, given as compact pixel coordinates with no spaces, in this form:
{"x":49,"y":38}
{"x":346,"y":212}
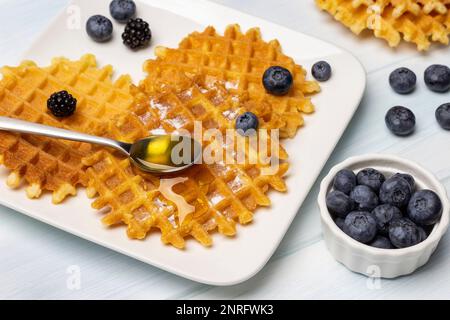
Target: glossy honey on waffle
{"x":418,"y":21}
{"x":221,"y":194}
{"x":238,"y":60}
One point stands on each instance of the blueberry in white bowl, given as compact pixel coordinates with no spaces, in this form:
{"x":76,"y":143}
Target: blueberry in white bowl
{"x":384,"y":214}
{"x":381,"y":243}
{"x":340,"y":222}
{"x":361,"y":226}
{"x":339,"y":203}
{"x":409,"y":178}
{"x":404,"y":233}
{"x":364,"y":197}
{"x":371,"y":177}
{"x":425,"y":207}
{"x":400,"y":243}
{"x":344,"y":181}
{"x":395,"y":191}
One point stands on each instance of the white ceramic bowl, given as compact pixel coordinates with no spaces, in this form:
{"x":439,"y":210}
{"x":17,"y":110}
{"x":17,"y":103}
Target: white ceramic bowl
{"x":385,"y":263}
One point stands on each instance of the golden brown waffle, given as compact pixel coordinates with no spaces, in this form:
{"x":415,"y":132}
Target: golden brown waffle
{"x":420,"y":22}
{"x":220,"y":193}
{"x":49,"y":164}
{"x":238,"y":61}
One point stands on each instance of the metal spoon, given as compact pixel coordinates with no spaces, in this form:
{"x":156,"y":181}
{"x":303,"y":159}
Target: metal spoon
{"x":156,"y":153}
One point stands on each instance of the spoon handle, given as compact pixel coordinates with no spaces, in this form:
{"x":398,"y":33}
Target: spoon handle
{"x":15,"y":125}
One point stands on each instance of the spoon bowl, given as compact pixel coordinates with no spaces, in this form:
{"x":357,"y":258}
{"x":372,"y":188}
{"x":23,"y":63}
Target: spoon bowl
{"x":165,"y":153}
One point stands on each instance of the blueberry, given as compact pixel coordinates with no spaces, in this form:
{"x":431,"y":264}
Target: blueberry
{"x":277,"y":80}
{"x":339,"y":203}
{"x":321,"y":71}
{"x":340,"y":222}
{"x":384,"y":214}
{"x":99,"y":28}
{"x":425,"y":207}
{"x":247,"y":123}
{"x":365,"y":198}
{"x":361,"y":226}
{"x":409,"y":178}
{"x":403,"y":80}
{"x":400,"y":120}
{"x":371,"y":178}
{"x":437,"y":78}
{"x":423,"y":234}
{"x":345,"y":181}
{"x":395,"y":191}
{"x":381,"y":242}
{"x":443,"y":116}
{"x":404,"y":233}
{"x":122,"y":10}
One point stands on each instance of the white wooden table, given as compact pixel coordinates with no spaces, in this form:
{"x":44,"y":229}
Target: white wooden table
{"x":36,"y":260}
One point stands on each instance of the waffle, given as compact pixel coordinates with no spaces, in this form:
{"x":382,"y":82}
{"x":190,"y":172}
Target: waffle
{"x":420,"y":22}
{"x":50,"y":164}
{"x":221,"y":194}
{"x":238,"y":61}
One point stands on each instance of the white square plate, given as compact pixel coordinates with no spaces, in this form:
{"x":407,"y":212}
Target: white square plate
{"x":229,"y":261}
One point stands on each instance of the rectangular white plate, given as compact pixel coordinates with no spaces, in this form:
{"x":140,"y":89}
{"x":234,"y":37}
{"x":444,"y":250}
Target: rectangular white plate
{"x":229,"y":261}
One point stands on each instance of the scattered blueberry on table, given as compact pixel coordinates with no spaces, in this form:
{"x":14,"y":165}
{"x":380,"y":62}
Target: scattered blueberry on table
{"x":122,"y":10}
{"x":403,"y":80}
{"x":247,"y":123}
{"x":277,"y":80}
{"x":443,"y":116}
{"x":400,"y":121}
{"x":99,"y":28}
{"x":380,"y":211}
{"x":437,"y":78}
{"x":321,"y":71}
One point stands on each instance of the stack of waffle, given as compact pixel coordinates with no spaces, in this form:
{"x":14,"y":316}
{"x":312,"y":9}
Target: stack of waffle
{"x":418,"y":21}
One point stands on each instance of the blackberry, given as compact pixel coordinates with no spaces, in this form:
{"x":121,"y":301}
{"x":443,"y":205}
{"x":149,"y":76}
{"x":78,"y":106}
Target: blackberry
{"x":137,"y":34}
{"x":62,"y":104}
